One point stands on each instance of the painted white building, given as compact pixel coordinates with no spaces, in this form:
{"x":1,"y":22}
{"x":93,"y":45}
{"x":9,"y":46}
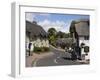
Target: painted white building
{"x":82,"y":29}
{"x":86,"y":42}
{"x":35,"y":35}
{"x":37,"y":43}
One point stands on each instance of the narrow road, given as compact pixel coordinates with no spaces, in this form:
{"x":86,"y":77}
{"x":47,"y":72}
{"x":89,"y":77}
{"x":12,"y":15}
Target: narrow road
{"x":59,"y":58}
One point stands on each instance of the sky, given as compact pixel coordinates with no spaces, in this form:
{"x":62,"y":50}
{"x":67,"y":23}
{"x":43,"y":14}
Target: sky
{"x":61,"y":22}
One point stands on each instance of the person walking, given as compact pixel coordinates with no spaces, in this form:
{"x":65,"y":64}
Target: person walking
{"x":29,"y":46}
{"x":79,"y":53}
{"x":73,"y":53}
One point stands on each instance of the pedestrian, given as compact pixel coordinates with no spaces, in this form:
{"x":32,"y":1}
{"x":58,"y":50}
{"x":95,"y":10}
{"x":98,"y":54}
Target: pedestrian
{"x":78,"y":52}
{"x":29,"y":46}
{"x":73,"y":53}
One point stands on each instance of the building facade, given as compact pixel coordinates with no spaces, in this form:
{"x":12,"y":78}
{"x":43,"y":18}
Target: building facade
{"x":82,"y":29}
{"x":35,"y":35}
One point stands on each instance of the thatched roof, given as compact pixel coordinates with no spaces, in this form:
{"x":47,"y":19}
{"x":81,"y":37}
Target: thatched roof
{"x":81,"y":27}
{"x":33,"y":30}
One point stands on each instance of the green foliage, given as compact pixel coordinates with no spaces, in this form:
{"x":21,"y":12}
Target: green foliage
{"x":46,"y":48}
{"x":86,"y":49}
{"x":60,"y":34}
{"x":41,"y":49}
{"x":67,"y":35}
{"x":37,"y":49}
{"x":52,"y":31}
{"x":52,"y":39}
{"x":52,"y":35}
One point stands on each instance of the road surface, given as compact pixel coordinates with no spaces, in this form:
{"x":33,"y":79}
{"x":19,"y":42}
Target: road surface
{"x":59,"y":58}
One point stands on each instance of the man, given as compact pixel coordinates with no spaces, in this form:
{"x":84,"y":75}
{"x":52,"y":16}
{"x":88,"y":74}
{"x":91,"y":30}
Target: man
{"x":77,"y":47}
{"x":73,"y":53}
{"x":78,"y":51}
{"x":29,"y":46}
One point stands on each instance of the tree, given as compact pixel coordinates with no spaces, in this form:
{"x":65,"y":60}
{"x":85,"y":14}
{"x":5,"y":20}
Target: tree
{"x":60,"y":34}
{"x":52,"y":31}
{"x":67,"y":35}
{"x":52,"y":35}
{"x":52,"y":39}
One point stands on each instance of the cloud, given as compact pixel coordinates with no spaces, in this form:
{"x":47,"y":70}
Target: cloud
{"x":44,"y":14}
{"x":30,"y":17}
{"x":58,"y":25}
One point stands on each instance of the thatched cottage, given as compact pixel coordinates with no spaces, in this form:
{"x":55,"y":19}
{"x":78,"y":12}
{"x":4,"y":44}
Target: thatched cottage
{"x":81,"y":30}
{"x":36,"y":35}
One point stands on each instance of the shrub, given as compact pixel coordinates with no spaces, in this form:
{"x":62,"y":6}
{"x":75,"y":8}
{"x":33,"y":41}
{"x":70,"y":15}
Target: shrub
{"x":46,"y":48}
{"x":41,"y":49}
{"x":37,"y":49}
{"x":53,"y":44}
{"x":86,"y":49}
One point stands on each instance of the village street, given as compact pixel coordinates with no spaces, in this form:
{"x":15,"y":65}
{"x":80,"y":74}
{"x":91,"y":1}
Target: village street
{"x":68,"y":45}
{"x":58,"y":58}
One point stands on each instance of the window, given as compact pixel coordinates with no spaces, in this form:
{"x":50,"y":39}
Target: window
{"x":86,"y":37}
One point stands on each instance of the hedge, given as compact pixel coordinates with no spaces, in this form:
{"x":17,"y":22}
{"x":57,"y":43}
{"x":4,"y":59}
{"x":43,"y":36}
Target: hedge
{"x":41,"y":49}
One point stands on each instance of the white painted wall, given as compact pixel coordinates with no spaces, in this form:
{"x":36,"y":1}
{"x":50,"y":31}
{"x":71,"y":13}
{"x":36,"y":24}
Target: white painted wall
{"x":37,"y":43}
{"x":41,"y":43}
{"x":86,"y":44}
